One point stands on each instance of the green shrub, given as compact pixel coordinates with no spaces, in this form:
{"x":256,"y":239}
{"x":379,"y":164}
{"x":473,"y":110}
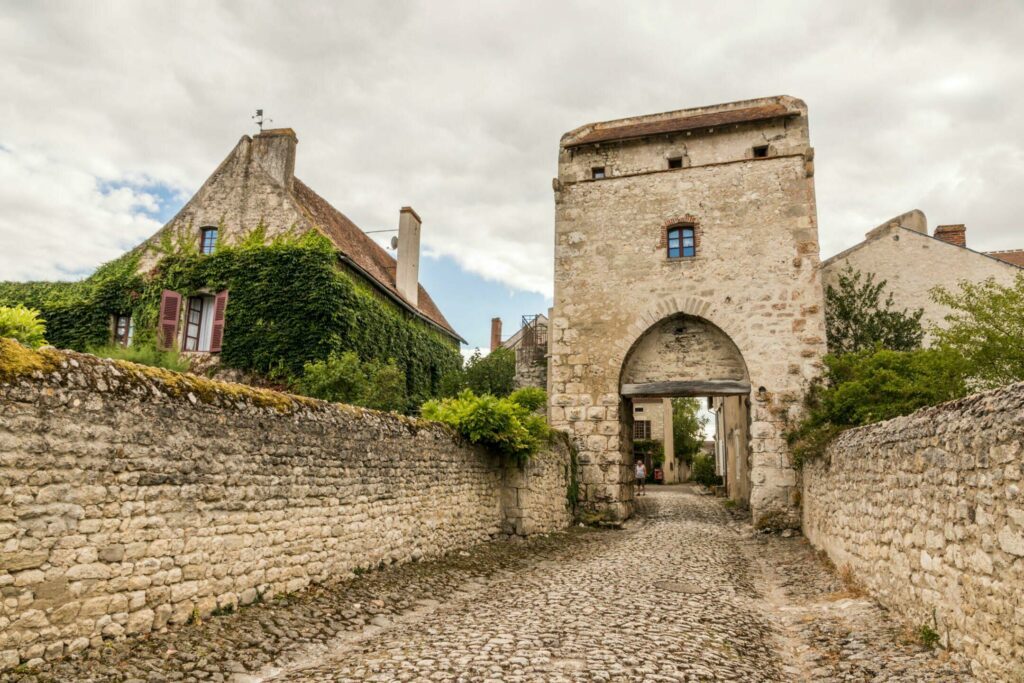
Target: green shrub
{"x":344,"y":378}
{"x":500,"y":424}
{"x":649,"y":447}
{"x":143,"y":355}
{"x":857,"y":318}
{"x":531,"y":398}
{"x":23,"y":324}
{"x":703,"y":471}
{"x":493,"y":374}
{"x":869,"y":386}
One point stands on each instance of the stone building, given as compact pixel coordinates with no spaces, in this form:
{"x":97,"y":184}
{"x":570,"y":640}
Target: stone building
{"x":255,"y":186}
{"x":912,"y":262}
{"x":652,"y":420}
{"x":686,"y":264}
{"x":530,"y":344}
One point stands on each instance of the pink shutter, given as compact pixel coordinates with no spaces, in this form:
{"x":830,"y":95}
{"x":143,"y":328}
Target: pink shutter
{"x":217,"y":331}
{"x":170,"y":311}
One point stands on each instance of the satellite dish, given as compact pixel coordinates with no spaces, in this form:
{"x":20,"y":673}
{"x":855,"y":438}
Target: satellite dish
{"x":394,"y":242}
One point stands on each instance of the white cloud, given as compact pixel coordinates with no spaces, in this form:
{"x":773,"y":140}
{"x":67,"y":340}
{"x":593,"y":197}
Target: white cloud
{"x":456,"y":108}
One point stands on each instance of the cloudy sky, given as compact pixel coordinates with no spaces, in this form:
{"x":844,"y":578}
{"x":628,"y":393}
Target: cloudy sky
{"x":113,"y":113}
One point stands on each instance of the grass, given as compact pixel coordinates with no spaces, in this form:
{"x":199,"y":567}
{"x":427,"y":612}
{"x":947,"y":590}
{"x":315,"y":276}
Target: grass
{"x":143,"y":355}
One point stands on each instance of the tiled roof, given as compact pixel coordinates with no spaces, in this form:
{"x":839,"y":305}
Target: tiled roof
{"x":1014,"y":256}
{"x":683,"y":123}
{"x":363,"y":251}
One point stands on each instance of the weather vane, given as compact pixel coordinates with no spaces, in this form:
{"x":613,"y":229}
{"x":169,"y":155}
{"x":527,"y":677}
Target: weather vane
{"x":258,"y":118}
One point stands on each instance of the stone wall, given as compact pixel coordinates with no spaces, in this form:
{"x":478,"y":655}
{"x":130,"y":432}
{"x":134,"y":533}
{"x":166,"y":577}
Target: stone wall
{"x":928,"y":512}
{"x":132,"y":498}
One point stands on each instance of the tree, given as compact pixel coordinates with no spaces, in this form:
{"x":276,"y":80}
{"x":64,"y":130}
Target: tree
{"x":493,"y":374}
{"x":856,"y":318}
{"x":987,"y":328}
{"x":687,"y":428}
{"x":346,"y":379}
{"x":23,"y":324}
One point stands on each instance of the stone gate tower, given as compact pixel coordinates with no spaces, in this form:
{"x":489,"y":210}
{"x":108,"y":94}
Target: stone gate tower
{"x":686,"y":264}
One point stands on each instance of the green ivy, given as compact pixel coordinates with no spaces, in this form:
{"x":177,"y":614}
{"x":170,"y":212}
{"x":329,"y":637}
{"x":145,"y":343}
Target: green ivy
{"x":290,"y":303}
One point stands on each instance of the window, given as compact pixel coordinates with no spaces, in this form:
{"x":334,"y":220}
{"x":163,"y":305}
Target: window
{"x":597,"y":172}
{"x":638,"y":409}
{"x":681,"y":242}
{"x":124,"y":329}
{"x":208,"y":240}
{"x":761,"y":152}
{"x":642,"y":429}
{"x":198,"y":323}
{"x":675,"y":162}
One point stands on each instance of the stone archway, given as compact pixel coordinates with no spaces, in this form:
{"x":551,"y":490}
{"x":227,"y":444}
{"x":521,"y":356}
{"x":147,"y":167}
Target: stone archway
{"x":683,"y":355}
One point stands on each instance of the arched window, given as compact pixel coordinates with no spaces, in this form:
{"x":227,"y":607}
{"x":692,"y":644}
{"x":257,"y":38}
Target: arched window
{"x":208,"y":240}
{"x":681,"y":242}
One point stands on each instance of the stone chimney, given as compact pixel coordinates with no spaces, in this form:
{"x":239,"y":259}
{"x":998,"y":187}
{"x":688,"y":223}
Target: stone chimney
{"x":407,"y":275}
{"x":954,"y":234}
{"x":274,"y":151}
{"x":495,"y":333}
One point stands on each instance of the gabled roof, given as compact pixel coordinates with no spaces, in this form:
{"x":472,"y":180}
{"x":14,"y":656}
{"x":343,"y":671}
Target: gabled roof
{"x":1014,"y":256}
{"x":368,"y":256}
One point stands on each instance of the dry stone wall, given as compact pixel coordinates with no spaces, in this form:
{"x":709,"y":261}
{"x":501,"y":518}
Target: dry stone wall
{"x":928,"y":512}
{"x":133,"y":498}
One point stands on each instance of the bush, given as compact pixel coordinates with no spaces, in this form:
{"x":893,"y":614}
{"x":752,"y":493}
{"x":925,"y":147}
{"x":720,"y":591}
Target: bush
{"x":531,"y":398}
{"x":500,"y":424}
{"x":344,"y":378}
{"x":703,"y":471}
{"x":144,"y":355}
{"x":858,"y":318}
{"x":871,"y":386}
{"x":493,"y":374}
{"x":23,"y":324}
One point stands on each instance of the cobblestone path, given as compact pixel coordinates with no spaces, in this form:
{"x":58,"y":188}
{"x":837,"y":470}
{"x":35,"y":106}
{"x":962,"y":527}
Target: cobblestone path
{"x":684,"y":593}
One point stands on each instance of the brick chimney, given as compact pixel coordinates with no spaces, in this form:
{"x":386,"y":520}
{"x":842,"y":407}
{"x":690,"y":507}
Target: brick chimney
{"x":274,"y":151}
{"x":407,"y":275}
{"x":495,"y":333}
{"x":954,"y":234}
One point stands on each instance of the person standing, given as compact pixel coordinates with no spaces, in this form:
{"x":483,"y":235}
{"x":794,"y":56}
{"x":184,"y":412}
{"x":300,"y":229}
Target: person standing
{"x":641,"y":477}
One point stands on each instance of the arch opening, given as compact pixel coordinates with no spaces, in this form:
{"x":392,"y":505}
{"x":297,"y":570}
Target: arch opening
{"x":679,"y":359}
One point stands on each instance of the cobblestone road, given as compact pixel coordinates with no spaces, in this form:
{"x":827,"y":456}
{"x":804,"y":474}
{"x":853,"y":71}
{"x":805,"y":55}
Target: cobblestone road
{"x":684,"y":593}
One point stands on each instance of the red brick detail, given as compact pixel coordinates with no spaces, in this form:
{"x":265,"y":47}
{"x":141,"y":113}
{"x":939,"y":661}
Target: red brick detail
{"x":954,"y":234}
{"x":686,"y":221}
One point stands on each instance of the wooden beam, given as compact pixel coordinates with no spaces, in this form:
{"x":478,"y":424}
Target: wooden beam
{"x":712,"y":387}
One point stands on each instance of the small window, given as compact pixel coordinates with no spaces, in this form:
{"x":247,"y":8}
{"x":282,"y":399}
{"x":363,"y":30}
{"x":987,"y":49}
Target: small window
{"x":761,"y":152}
{"x":124,"y":330}
{"x":642,"y":429}
{"x":208,"y":241}
{"x":675,"y":162}
{"x":597,"y":172}
{"x":638,"y":409}
{"x":198,"y":323}
{"x":681,"y":243}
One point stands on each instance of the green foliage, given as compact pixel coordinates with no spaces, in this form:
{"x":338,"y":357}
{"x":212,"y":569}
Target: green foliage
{"x":987,"y":328}
{"x":856,"y":318}
{"x":23,"y":324}
{"x":346,"y":379}
{"x":687,"y":428}
{"x":874,"y":385}
{"x":531,"y":398}
{"x":929,"y":637}
{"x":501,"y":424}
{"x":703,"y":471}
{"x":291,"y":303}
{"x":492,"y":374}
{"x":143,"y":355}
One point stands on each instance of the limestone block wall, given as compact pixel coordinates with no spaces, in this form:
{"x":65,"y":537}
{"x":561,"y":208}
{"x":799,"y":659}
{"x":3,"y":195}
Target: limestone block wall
{"x":928,"y":512}
{"x":132,"y":498}
{"x":754,"y":280}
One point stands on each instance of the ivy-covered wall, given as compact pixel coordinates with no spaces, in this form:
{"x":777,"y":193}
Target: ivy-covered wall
{"x":290,"y":303}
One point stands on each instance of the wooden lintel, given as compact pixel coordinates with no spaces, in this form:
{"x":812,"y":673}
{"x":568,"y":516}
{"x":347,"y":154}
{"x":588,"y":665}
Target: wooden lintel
{"x":712,"y":387}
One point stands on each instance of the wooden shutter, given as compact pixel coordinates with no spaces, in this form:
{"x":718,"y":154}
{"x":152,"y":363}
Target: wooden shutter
{"x":170,"y":311}
{"x":217,"y":331}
